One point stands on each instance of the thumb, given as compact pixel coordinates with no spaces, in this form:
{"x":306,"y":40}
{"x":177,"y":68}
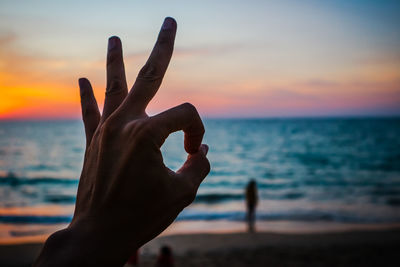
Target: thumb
{"x":196,"y":167}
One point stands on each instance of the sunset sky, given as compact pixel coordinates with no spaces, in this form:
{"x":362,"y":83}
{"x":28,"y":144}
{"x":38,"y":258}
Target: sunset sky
{"x":231,"y":59}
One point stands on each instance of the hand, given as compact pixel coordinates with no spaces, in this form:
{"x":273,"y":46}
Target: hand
{"x":126,"y":194}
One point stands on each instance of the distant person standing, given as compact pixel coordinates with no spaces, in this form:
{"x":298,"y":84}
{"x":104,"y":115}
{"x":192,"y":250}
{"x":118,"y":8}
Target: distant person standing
{"x":251,"y":203}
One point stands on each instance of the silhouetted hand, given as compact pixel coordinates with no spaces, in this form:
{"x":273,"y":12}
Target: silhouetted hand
{"x":126,"y":194}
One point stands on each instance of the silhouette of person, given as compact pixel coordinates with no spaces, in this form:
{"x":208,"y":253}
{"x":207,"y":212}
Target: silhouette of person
{"x":251,"y":203}
{"x":165,"y":258}
{"x":126,"y":195}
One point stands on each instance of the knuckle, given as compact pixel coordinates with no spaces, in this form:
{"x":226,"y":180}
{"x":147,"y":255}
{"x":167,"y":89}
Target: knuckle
{"x":110,"y":61}
{"x":189,"y":108}
{"x":198,"y":127}
{"x":164,"y":38}
{"x":108,"y":127}
{"x":143,"y":130}
{"x":88,"y":112}
{"x":135,"y":127}
{"x":149,"y":73}
{"x":114,"y":56}
{"x":114,"y":87}
{"x":146,"y":129}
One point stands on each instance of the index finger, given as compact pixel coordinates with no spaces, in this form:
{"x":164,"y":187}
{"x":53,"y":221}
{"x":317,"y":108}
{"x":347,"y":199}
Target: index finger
{"x":183,"y":117}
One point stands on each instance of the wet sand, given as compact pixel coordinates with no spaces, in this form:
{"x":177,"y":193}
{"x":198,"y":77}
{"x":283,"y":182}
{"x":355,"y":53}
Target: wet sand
{"x":352,"y":248}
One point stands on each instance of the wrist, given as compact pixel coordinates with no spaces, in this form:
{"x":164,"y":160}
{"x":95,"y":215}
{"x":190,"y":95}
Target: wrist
{"x":81,"y":244}
{"x":57,"y":250}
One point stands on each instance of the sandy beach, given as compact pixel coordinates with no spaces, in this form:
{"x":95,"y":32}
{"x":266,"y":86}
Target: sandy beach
{"x":350,"y":248}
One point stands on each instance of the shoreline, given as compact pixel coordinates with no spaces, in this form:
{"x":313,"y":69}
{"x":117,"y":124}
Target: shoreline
{"x":206,"y":242}
{"x":278,"y":227}
{"x":39,"y":233}
{"x":261,"y":247}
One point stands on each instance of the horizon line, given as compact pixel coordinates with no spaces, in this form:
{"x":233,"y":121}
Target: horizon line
{"x":373,"y":116}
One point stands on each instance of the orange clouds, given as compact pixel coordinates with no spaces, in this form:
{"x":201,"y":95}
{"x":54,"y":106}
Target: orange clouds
{"x":33,"y":86}
{"x":39,"y":86}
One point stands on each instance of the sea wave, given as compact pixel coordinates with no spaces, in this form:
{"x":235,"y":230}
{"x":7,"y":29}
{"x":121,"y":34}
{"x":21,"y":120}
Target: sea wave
{"x":211,"y":198}
{"x":35,"y":219}
{"x":50,"y":190}
{"x":13,"y":180}
{"x":198,"y":215}
{"x":304,"y":216}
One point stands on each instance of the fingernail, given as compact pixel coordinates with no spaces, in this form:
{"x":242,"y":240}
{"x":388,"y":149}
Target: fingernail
{"x":204,"y":149}
{"x":112,"y":42}
{"x":168,"y":23}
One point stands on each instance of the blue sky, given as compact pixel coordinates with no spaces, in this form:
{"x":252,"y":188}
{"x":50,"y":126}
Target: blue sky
{"x":232,"y":58}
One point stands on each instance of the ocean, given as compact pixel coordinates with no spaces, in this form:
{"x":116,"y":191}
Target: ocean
{"x":307,"y":170}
